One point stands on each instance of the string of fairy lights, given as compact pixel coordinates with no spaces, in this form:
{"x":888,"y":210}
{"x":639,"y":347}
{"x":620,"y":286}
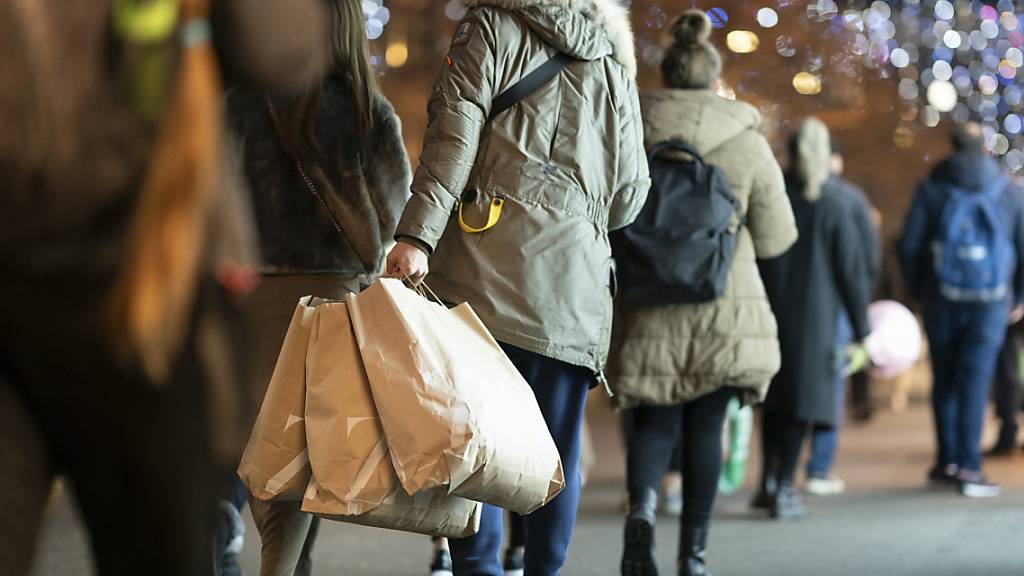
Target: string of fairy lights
{"x":949,"y":60}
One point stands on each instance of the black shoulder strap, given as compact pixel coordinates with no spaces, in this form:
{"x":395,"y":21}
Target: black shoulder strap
{"x":529,"y":83}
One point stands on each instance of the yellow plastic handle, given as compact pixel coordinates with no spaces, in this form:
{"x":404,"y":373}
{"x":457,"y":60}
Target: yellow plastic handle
{"x":492,"y":218}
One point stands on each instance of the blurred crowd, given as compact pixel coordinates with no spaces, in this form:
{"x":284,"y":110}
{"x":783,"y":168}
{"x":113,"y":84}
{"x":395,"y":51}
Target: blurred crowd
{"x":179,"y":173}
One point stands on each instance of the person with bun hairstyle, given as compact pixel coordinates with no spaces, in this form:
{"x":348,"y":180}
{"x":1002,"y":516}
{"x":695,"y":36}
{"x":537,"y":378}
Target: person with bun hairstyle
{"x":681,"y":364}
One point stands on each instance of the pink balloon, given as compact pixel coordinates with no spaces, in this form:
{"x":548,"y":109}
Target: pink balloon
{"x":895,"y":341}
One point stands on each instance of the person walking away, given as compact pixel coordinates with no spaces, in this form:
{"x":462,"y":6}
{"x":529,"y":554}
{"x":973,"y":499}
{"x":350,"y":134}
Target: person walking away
{"x":825,"y":439}
{"x":823,"y":273}
{"x":1008,"y":393}
{"x":329,"y":177}
{"x":681,"y":363}
{"x":512,"y":203}
{"x":122,"y":240}
{"x":961,"y":249}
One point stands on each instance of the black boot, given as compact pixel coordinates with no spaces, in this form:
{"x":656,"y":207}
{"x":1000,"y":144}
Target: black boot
{"x":788,"y":503}
{"x":692,"y":542}
{"x":638,"y":539}
{"x":766,"y":493}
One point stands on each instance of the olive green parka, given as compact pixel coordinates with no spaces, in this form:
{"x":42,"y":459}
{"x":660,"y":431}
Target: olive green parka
{"x":566,"y":165}
{"x":667,"y":355}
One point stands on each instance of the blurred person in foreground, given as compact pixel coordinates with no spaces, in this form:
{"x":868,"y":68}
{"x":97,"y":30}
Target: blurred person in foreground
{"x":329,"y":178}
{"x":513,"y":213}
{"x":825,"y":439}
{"x":808,"y":286}
{"x":122,"y":244}
{"x":962,"y":251}
{"x":681,"y":364}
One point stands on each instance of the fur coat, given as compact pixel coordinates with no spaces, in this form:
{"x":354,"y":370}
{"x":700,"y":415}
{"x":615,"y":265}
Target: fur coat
{"x":365,"y":187}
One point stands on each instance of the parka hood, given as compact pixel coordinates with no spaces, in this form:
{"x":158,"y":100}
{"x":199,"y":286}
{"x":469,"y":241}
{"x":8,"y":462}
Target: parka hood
{"x":583,"y":29}
{"x":699,"y":117}
{"x":810,"y":166}
{"x":969,"y":170}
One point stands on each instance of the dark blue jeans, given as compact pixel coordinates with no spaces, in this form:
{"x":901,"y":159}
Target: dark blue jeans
{"x":964,"y":341}
{"x":561,"y":391}
{"x":825,"y":439}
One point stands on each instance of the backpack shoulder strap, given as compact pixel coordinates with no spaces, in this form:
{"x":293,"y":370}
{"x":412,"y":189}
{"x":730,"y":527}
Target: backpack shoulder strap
{"x":529,"y":83}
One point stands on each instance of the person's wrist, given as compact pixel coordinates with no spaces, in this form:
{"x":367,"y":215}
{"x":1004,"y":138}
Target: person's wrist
{"x":415,"y":243}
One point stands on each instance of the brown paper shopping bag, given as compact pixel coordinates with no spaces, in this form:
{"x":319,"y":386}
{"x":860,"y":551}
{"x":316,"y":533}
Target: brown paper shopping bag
{"x":275,"y":464}
{"x":353,"y":478}
{"x":347,"y":449}
{"x":453,"y":406}
{"x":432,"y":512}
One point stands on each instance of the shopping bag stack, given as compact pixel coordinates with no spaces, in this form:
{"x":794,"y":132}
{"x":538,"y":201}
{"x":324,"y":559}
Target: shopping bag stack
{"x":393,"y":411}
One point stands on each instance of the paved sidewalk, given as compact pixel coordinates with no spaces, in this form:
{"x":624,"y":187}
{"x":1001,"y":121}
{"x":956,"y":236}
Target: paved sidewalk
{"x":887,"y":524}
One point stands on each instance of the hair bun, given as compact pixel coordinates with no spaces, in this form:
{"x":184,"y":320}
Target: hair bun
{"x":692,"y":28}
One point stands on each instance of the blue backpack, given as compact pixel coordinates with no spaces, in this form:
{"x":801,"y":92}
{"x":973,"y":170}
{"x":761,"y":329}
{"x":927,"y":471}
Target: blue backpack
{"x":973,"y":254}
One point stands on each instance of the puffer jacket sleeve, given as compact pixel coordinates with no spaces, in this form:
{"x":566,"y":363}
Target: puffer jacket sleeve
{"x":387,"y":169}
{"x":769,"y":212}
{"x":458,"y":110}
{"x":633,"y":174}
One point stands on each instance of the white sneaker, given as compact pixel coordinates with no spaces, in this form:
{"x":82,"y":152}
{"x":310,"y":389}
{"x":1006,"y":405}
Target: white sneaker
{"x":977,"y":486}
{"x":825,"y":486}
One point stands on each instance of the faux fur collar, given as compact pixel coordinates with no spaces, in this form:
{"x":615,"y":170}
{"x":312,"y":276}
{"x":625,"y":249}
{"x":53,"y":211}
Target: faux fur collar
{"x":608,"y":15}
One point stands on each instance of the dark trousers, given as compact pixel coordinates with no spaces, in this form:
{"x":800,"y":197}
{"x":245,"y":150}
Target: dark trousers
{"x":964,"y":341}
{"x":782,"y":439}
{"x":561,"y":391}
{"x":655,"y":437}
{"x":138,"y":455}
{"x":1007,"y":392}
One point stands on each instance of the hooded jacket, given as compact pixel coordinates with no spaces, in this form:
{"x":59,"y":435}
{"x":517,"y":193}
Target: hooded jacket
{"x":965,"y":171}
{"x":366,"y":188}
{"x":672,"y":354}
{"x":824,"y":272}
{"x":567,"y":164}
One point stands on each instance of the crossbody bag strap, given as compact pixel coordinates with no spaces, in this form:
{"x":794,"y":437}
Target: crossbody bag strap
{"x":302,"y":171}
{"x":529,"y":84}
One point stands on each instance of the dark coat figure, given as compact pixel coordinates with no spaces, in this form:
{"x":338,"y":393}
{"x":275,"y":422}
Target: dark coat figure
{"x":824,"y":271}
{"x":858,"y":208}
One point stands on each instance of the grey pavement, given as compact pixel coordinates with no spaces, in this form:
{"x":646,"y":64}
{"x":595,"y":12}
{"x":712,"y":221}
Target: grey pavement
{"x":887,"y":524}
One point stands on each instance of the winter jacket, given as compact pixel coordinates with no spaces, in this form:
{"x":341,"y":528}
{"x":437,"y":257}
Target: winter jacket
{"x":859,"y":209}
{"x":365,"y":188}
{"x":672,"y":354}
{"x":824,"y":272}
{"x":567,"y":162}
{"x":966,"y":171}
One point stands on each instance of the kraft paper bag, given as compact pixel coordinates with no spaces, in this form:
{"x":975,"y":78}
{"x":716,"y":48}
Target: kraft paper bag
{"x":275,"y":464}
{"x":347,"y":449}
{"x":433,"y":512}
{"x":454,"y":408}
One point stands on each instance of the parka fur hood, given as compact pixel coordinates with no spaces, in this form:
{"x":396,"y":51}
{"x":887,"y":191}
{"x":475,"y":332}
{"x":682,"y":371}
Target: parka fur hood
{"x":569,"y":25}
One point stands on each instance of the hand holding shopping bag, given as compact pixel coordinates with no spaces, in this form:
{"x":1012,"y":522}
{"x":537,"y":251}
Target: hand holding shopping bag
{"x":454,"y":408}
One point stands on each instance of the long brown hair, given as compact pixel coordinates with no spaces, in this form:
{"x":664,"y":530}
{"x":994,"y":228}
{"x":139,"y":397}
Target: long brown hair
{"x":151,"y":303}
{"x":350,"y":61}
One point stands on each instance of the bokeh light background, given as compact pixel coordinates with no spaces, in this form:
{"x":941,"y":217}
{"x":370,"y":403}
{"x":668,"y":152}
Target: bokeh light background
{"x":889,"y":78}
